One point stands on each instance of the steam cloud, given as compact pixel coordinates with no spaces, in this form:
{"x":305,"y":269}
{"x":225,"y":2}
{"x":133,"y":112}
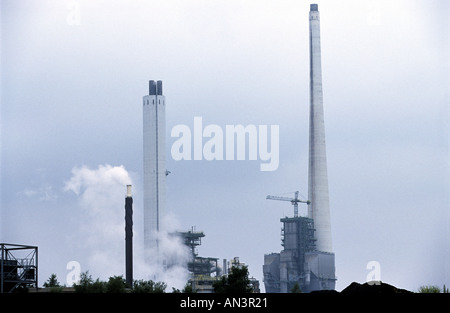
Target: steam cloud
{"x":101,"y":230}
{"x":169,"y":263}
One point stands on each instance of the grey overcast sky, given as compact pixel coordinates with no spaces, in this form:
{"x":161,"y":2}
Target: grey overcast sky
{"x":73,"y":74}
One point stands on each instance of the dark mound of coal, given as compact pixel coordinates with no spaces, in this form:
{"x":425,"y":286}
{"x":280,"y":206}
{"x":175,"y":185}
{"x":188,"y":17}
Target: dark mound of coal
{"x":325,"y":292}
{"x":372,"y":288}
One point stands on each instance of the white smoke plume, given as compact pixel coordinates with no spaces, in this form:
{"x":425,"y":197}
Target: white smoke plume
{"x":100,"y":233}
{"x":168,"y":263}
{"x":101,"y":230}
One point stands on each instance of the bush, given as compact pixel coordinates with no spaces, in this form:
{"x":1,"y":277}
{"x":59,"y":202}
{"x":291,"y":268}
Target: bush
{"x":429,"y":289}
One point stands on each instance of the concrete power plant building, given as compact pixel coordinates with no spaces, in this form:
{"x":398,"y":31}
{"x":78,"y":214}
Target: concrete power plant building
{"x":154,"y":125}
{"x":307,"y":258}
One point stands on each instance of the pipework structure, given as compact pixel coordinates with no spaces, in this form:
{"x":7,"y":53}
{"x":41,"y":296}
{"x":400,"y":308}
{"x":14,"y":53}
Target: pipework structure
{"x":18,"y":267}
{"x":154,"y":134}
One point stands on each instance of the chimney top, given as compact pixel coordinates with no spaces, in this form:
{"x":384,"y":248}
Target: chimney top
{"x":159,"y":87}
{"x":155,"y":88}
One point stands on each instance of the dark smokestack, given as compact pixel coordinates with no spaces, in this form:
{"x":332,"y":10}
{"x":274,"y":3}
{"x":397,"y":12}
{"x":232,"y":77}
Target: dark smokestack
{"x":129,"y":238}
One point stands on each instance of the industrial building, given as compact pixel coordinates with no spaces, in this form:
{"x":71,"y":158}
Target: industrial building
{"x":18,"y":267}
{"x":204,"y":270}
{"x":307,"y":259}
{"x":299,"y":262}
{"x":207,"y":270}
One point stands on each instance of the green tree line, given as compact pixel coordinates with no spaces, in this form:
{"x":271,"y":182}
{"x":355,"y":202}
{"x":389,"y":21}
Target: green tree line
{"x":236,"y":282}
{"x":115,"y":284}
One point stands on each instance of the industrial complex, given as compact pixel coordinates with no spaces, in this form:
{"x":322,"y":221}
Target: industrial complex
{"x":307,"y":260}
{"x":205,"y":271}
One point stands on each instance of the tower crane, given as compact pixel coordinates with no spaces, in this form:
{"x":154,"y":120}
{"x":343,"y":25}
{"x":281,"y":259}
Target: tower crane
{"x":294,"y":201}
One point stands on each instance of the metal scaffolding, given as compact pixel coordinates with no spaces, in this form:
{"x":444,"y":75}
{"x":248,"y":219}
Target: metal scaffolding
{"x":204,"y":270}
{"x":18,"y":267}
{"x":297,"y":239}
{"x":299,"y":263}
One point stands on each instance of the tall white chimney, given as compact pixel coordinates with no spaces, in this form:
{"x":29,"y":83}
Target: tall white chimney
{"x":319,"y":209}
{"x":154,"y":134}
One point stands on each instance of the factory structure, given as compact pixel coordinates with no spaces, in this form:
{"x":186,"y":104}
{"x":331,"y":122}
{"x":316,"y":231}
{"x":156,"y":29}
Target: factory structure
{"x":207,"y":270}
{"x":18,"y":267}
{"x":307,"y":258}
{"x":204,"y":270}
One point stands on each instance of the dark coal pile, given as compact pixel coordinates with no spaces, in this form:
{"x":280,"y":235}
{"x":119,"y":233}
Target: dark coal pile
{"x":373,"y":288}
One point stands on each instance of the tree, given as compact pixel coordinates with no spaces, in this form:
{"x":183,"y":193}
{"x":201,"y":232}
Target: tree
{"x":429,"y":289}
{"x":116,"y":284}
{"x":296,"y":288}
{"x":236,"y":282}
{"x":148,"y":286}
{"x":88,"y":285}
{"x":221,"y":286}
{"x":187,"y":289}
{"x":84,"y":283}
{"x":53,"y":284}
